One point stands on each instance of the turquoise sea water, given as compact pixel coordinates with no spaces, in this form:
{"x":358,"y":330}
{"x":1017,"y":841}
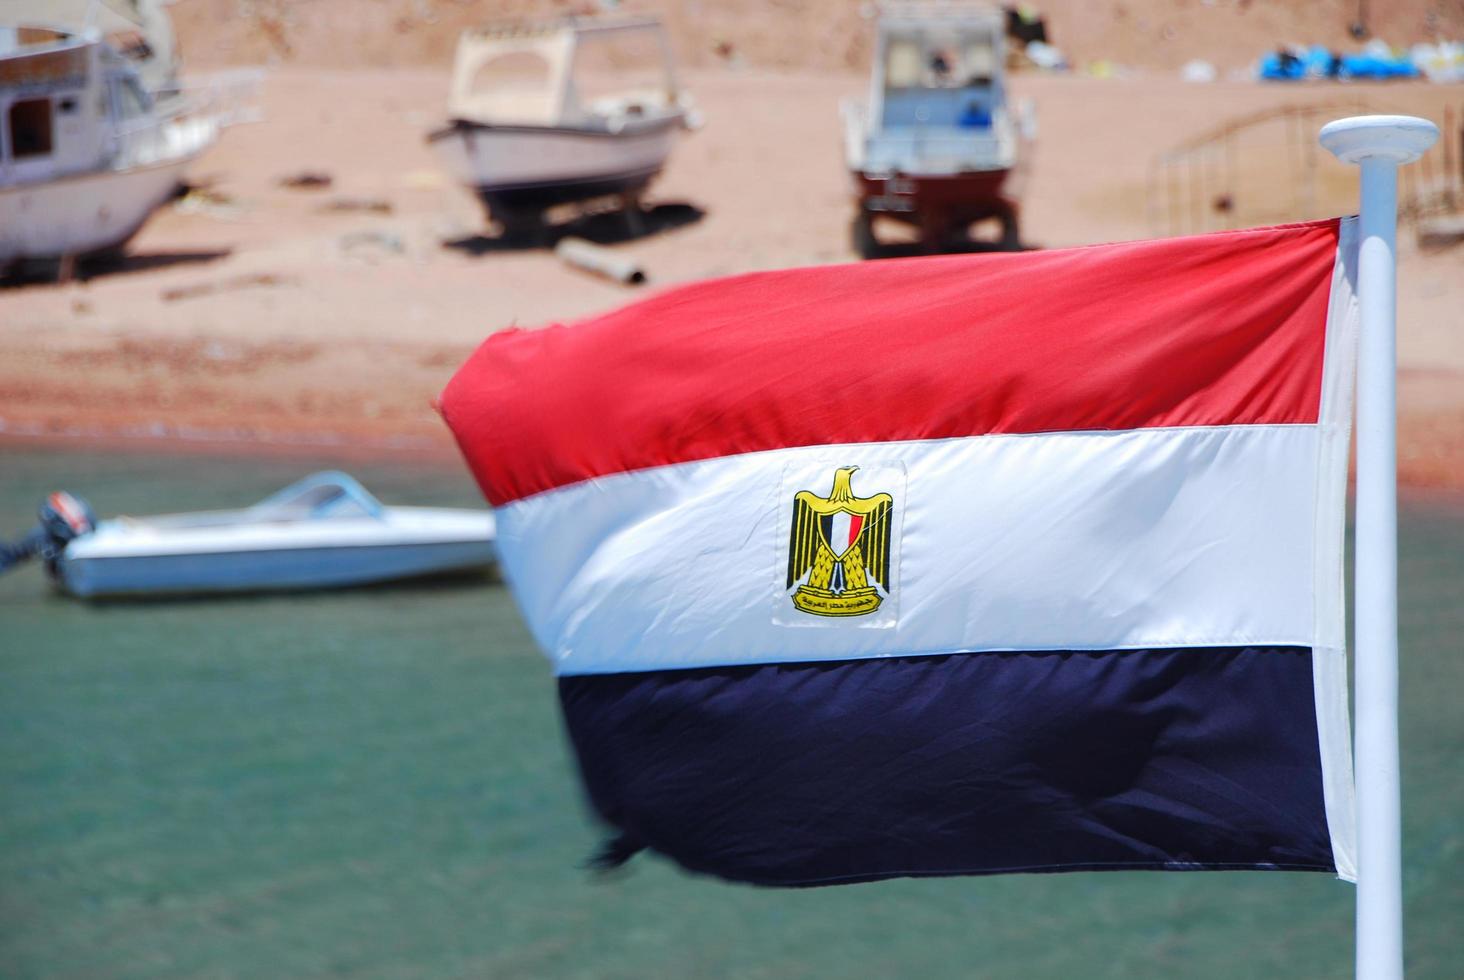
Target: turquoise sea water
{"x":374,"y":784}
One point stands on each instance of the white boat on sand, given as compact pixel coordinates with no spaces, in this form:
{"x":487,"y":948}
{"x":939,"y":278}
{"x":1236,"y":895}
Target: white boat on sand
{"x":325,"y":531}
{"x":84,"y":156}
{"x":937,"y":146}
{"x":567,"y":111}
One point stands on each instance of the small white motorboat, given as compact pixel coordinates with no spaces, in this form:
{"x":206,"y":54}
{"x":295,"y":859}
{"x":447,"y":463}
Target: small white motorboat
{"x":325,"y":531}
{"x":561,"y":112}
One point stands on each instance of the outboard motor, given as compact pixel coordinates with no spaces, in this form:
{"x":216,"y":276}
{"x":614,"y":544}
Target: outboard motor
{"x":62,"y":519}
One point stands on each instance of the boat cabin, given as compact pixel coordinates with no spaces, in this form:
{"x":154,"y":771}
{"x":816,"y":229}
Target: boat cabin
{"x":937,"y":98}
{"x":68,"y":105}
{"x":573,"y":73}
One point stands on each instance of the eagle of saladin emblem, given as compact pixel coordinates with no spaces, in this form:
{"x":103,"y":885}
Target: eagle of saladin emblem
{"x":839,"y":550}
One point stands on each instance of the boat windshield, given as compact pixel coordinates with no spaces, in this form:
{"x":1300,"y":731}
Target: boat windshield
{"x":621,"y":71}
{"x":940,"y":78}
{"x":330,"y":495}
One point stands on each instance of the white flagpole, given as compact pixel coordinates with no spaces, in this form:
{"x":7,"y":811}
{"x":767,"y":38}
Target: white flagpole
{"x":1379,"y":144}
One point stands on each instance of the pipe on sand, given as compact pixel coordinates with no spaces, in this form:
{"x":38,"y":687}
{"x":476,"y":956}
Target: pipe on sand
{"x":600,"y":261}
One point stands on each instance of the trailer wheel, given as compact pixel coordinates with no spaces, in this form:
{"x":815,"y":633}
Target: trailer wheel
{"x":861,"y":235}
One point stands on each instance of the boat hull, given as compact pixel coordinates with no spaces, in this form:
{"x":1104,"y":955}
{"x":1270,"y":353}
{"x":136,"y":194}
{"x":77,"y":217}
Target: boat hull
{"x":281,"y":569}
{"x":975,"y":193}
{"x":941,"y":207}
{"x":535,"y":167}
{"x":537,"y":197}
{"x":277,"y":545}
{"x":82,"y":214}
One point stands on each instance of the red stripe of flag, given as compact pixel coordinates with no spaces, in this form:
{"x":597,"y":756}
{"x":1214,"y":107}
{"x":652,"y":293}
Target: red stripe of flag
{"x":1216,"y":329}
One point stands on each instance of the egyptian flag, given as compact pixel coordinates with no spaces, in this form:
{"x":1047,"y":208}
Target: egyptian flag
{"x":954,"y":565}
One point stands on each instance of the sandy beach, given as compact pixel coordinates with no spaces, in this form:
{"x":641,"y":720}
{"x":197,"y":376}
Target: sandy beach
{"x":255,"y":316}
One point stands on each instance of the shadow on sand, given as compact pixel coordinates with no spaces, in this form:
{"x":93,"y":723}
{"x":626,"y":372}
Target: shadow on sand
{"x":906,"y":250}
{"x":33,"y":272}
{"x":601,"y":227}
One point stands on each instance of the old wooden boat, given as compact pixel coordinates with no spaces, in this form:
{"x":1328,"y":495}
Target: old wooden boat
{"x":84,"y":158}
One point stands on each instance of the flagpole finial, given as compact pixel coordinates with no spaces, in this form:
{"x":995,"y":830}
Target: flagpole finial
{"x":1401,"y":139}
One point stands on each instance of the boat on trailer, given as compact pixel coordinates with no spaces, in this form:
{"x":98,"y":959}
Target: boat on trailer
{"x":326,"y":531}
{"x":84,"y":157}
{"x":561,"y":112}
{"x":936,"y":146}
